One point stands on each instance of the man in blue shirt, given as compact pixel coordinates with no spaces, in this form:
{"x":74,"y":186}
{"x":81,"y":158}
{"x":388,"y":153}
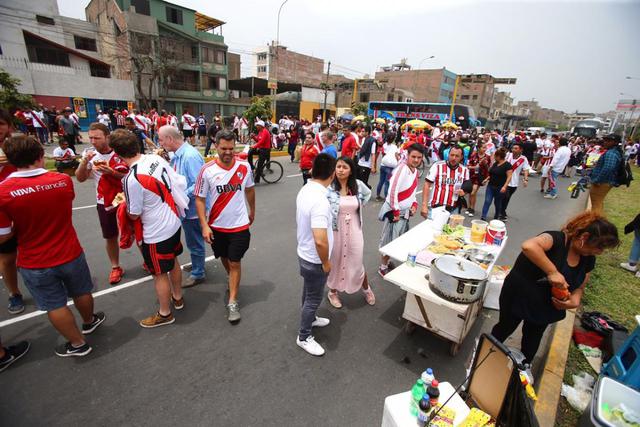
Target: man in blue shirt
{"x":328,"y":139}
{"x":605,"y":173}
{"x":187,"y":161}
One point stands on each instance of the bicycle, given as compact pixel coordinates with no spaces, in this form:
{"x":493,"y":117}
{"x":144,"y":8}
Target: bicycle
{"x":272,"y":172}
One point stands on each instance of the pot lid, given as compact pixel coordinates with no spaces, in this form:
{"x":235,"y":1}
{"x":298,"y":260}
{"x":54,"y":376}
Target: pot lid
{"x":460,"y":268}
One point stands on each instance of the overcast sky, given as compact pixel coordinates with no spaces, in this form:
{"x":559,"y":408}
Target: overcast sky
{"x":567,"y":55}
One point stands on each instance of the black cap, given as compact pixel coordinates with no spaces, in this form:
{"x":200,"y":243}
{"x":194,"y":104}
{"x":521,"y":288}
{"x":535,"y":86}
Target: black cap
{"x":612,"y":137}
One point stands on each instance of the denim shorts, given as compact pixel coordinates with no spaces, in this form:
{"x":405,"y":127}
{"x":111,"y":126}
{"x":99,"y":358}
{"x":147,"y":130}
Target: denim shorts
{"x":51,"y":287}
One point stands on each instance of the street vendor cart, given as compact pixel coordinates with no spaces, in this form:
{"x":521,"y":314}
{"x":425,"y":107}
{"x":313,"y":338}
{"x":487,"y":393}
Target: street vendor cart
{"x":424,"y":307}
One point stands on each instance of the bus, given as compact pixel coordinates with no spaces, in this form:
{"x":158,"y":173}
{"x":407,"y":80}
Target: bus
{"x":430,"y":112}
{"x":589,"y":128}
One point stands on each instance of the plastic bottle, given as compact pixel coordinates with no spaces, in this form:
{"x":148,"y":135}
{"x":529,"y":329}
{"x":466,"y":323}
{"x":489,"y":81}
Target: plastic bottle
{"x":417,"y":392}
{"x":427,"y":377}
{"x":423,"y":409}
{"x":434,"y":393}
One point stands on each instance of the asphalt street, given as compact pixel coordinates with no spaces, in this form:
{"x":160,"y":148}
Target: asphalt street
{"x":204,"y":371}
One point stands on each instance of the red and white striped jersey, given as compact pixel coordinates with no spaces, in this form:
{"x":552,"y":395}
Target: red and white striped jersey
{"x":147,"y":190}
{"x":225,"y":189}
{"x":445,"y":182}
{"x":517,"y":166}
{"x":402,"y":188}
{"x":546,"y":154}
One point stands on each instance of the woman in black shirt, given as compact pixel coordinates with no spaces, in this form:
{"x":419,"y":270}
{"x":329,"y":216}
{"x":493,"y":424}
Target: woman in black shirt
{"x":553,"y":259}
{"x":498,"y":179}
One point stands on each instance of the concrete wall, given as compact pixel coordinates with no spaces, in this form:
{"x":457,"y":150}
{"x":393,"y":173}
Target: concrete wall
{"x":312,"y":94}
{"x":425,"y":84}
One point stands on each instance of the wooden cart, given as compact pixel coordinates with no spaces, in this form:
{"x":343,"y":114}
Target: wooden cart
{"x":423,"y":307}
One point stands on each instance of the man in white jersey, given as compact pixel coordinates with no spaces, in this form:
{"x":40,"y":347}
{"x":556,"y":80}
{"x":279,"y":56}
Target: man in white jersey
{"x":149,"y":188}
{"x":188,"y":125}
{"x":443,"y":184}
{"x":107,"y":170}
{"x":400,"y":203}
{"x":519,"y":164}
{"x":228,"y":182}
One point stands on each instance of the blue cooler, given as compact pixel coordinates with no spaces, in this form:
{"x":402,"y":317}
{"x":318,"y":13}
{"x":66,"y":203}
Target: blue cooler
{"x":624,"y":366}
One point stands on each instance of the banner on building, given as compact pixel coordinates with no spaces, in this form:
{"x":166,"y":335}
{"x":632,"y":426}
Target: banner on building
{"x":80,"y":107}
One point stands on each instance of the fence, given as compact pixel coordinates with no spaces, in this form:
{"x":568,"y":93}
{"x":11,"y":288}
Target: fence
{"x":25,"y":64}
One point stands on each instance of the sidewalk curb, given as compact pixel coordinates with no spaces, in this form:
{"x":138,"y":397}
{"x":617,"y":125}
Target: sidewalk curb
{"x":550,"y":383}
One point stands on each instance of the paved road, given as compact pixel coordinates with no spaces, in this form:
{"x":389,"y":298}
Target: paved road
{"x":204,"y":371}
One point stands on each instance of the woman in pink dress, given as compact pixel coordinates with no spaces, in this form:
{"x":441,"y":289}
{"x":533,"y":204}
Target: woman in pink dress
{"x":346,"y":196}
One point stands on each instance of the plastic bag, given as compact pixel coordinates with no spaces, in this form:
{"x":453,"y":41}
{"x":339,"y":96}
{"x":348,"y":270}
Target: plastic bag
{"x":579,"y":396}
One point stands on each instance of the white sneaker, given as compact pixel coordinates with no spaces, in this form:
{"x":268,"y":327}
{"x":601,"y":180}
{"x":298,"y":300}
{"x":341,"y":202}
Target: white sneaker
{"x":320,"y":322}
{"x":550,"y":196}
{"x":310,"y":346}
{"x":638,"y":274}
{"x":629,"y":267}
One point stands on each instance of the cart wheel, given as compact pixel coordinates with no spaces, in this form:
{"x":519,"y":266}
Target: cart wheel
{"x":453,"y":349}
{"x":409,"y":327}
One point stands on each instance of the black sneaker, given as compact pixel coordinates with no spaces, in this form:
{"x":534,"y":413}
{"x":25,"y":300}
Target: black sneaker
{"x":503,"y":218}
{"x":13,"y":353}
{"x":98,"y":318}
{"x":67,"y":350}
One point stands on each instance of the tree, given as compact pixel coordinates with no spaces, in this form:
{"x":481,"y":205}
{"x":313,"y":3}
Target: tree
{"x":359,"y":109}
{"x":260,"y":109}
{"x":10,"y":98}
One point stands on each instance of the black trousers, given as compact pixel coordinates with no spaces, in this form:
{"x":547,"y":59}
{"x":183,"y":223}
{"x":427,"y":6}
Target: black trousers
{"x":263,"y":157}
{"x":71,"y":140}
{"x":306,"y":175}
{"x":363,"y":174}
{"x":531,"y":332}
{"x":507,"y":197}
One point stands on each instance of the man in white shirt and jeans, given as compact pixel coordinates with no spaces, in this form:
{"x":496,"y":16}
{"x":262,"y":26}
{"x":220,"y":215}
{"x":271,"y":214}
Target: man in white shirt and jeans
{"x":558,"y":163}
{"x":315,"y":239}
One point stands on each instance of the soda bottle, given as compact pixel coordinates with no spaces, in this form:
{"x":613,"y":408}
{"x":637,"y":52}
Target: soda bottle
{"x":433,"y":392}
{"x":427,"y":377}
{"x":417,"y":393}
{"x":423,"y":409}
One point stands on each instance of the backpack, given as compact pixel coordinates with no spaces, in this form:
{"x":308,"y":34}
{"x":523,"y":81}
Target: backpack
{"x":623,"y":174}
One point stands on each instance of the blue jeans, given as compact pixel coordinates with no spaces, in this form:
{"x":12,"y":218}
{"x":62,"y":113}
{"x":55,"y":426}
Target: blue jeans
{"x":385,"y":177}
{"x":634,"y":255}
{"x":494,"y":195}
{"x":195,"y":243}
{"x":314,"y":280}
{"x":553,"y":182}
{"x":43,"y":135}
{"x":52,"y":286}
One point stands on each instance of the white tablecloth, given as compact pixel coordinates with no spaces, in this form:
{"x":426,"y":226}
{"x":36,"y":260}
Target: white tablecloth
{"x":397,"y":411}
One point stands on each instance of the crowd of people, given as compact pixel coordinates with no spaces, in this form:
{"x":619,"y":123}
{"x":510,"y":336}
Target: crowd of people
{"x":151,"y":183}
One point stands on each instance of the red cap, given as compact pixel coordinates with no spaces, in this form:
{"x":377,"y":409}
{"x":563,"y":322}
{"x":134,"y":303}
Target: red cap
{"x":434,"y":383}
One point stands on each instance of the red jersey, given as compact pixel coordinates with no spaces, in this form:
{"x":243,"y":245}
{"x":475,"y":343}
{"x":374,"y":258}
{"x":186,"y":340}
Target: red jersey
{"x":307,"y":154}
{"x":445,"y":183}
{"x":349,"y":146}
{"x":107,"y":186}
{"x":6,"y":170}
{"x":263,"y":139}
{"x":43,"y":241}
{"x":161,"y":121}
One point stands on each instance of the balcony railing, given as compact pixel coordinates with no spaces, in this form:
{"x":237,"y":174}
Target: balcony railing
{"x":25,"y":64}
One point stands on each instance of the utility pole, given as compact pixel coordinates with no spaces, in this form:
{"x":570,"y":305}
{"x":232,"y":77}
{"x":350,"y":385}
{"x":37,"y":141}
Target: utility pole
{"x":355,"y":93}
{"x":453,"y":101}
{"x":326,"y":89}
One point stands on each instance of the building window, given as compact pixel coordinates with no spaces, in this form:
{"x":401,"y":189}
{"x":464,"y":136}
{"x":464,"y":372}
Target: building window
{"x":99,"y":70}
{"x":215,"y":56}
{"x":213,"y":82}
{"x":44,"y":53}
{"x":262,"y":57}
{"x":185,"y":80}
{"x":174,"y":15}
{"x":390,"y":97}
{"x":142,"y":7}
{"x":464,"y":96}
{"x":85,"y":43}
{"x":45,"y":20}
{"x":262,"y":69}
{"x":364,"y":96}
{"x":475,"y":96}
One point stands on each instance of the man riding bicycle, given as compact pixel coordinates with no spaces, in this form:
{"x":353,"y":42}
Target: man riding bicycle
{"x":262,"y":147}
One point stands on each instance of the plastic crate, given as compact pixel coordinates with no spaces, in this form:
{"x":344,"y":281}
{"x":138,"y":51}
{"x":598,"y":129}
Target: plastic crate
{"x":624,"y":366}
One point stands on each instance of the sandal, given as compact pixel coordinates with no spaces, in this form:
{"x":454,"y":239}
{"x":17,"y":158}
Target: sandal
{"x":334,"y":299}
{"x":369,"y":296}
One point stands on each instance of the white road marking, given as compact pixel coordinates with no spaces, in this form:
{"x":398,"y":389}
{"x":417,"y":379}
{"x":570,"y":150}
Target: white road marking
{"x":83,"y":207}
{"x":112,"y":289}
{"x":291,"y":176}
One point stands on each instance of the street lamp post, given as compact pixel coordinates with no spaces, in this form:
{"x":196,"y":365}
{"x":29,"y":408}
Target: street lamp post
{"x":274,"y":90}
{"x":415,"y":81}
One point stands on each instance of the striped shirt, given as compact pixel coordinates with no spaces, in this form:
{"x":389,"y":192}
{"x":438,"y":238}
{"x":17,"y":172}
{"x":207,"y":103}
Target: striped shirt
{"x":446,"y":181}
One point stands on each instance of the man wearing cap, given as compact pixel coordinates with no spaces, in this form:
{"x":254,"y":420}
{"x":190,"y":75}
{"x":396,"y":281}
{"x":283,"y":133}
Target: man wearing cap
{"x":604,"y":174}
{"x":262,"y":147}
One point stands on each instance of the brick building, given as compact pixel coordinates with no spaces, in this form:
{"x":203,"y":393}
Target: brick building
{"x":477,"y":91}
{"x":426,"y":85}
{"x":273,"y":62}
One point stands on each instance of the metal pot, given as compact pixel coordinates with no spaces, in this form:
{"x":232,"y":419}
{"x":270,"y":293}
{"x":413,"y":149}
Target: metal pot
{"x":457,"y":279}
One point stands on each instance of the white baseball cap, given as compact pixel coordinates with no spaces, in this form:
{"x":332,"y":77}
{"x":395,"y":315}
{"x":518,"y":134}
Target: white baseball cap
{"x":260,"y":123}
